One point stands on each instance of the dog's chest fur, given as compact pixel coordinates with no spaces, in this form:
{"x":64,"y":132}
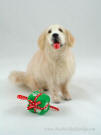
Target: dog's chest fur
{"x":55,"y":69}
{"x":59,"y":70}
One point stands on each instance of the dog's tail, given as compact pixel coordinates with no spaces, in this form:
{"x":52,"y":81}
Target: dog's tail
{"x":18,"y":77}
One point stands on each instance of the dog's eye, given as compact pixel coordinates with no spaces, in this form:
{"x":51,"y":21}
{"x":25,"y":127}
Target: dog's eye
{"x":60,"y":30}
{"x":49,"y":31}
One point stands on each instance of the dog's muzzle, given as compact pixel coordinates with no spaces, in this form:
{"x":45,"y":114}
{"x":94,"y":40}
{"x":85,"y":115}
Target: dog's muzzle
{"x":56,"y":41}
{"x":55,"y":38}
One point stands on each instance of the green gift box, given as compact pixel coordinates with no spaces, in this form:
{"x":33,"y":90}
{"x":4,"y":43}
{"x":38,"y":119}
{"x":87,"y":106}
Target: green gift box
{"x":38,"y":102}
{"x":43,"y":98}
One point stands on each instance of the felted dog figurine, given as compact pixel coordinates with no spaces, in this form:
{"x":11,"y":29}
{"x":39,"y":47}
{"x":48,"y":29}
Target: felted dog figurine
{"x":53,"y":64}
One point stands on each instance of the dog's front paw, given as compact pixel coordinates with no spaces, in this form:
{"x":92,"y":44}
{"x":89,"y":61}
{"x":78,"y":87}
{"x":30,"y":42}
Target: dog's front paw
{"x":56,"y":99}
{"x":67,"y":97}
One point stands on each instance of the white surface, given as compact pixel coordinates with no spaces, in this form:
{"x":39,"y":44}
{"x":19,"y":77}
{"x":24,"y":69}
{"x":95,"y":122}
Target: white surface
{"x":81,"y":115}
{"x":21,"y":22}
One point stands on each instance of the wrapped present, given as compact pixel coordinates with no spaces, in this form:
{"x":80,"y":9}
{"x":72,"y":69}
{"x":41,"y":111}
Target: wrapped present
{"x":38,"y":102}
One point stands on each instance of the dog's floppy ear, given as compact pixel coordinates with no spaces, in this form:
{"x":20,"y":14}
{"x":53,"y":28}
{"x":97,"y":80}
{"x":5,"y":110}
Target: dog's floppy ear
{"x":70,"y":38}
{"x":41,"y":41}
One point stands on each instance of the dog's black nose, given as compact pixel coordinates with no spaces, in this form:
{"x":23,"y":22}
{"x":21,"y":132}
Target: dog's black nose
{"x":55,"y":35}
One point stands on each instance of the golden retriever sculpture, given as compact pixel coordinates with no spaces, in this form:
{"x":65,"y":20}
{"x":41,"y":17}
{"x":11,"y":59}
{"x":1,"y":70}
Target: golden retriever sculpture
{"x":50,"y":68}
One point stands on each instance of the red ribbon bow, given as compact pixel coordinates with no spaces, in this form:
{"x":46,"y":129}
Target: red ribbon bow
{"x":34,"y":104}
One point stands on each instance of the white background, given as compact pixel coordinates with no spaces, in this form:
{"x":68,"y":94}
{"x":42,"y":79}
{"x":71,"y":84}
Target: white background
{"x":21,"y":22}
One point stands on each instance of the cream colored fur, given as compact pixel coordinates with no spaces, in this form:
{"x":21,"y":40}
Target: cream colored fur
{"x":49,"y":68}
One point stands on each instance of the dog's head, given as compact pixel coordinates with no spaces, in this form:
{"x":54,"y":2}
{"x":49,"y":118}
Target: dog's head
{"x":55,"y":35}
